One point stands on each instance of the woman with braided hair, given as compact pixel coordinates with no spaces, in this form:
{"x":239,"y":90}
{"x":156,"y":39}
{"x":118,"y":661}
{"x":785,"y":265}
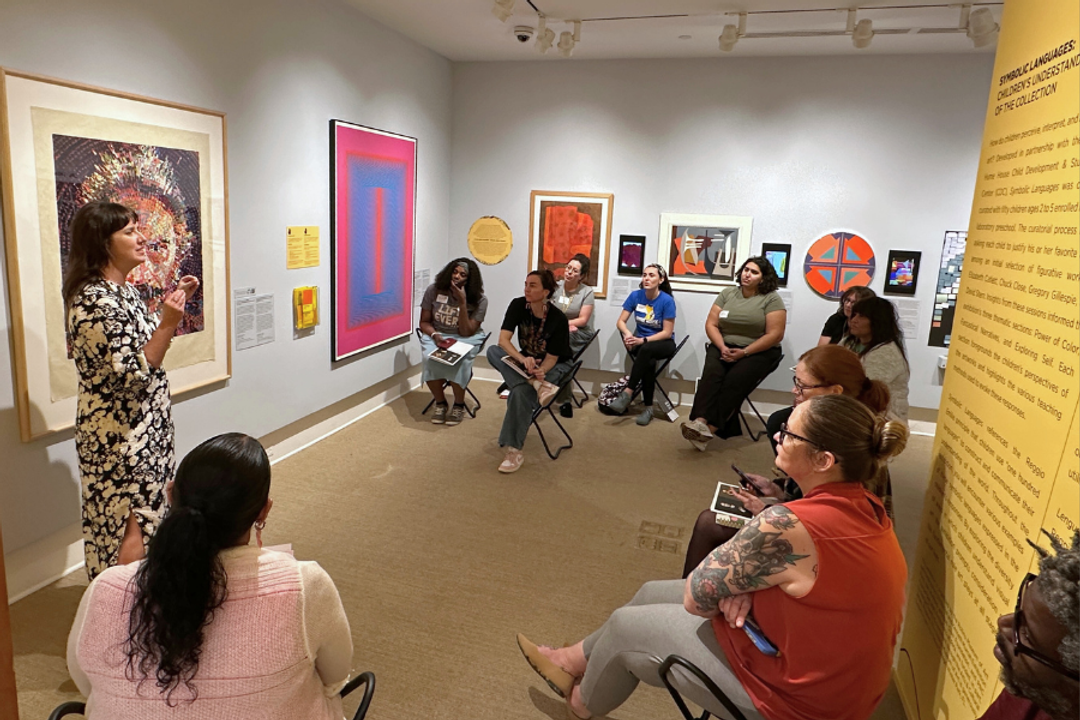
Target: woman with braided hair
{"x":808,"y":571}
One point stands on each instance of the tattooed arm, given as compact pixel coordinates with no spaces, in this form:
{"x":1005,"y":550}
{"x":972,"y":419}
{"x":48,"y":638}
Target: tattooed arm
{"x":773,"y":549}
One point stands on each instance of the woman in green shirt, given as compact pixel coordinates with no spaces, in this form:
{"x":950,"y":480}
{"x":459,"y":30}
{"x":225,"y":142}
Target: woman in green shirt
{"x":745,"y":327}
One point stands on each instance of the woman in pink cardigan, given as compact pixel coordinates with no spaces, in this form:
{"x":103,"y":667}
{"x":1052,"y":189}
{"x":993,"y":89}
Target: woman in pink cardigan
{"x":208,"y":626}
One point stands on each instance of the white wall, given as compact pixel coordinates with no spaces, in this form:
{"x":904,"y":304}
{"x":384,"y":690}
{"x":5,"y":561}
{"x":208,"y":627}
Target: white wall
{"x":281,"y":70}
{"x":884,"y":146}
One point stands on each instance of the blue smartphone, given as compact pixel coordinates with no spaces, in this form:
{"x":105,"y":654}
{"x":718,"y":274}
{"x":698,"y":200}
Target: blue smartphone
{"x":756,"y":636}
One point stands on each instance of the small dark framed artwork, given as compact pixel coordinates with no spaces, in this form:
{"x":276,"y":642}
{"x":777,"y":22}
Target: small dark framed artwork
{"x":631,"y":254}
{"x":779,"y":255}
{"x":902,"y":276}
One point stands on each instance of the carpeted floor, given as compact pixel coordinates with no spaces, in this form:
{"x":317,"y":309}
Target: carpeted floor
{"x":440,"y":559}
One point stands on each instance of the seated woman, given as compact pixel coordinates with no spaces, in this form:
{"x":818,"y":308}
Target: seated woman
{"x":540,"y":364}
{"x":836,"y":326}
{"x":576,"y":300}
{"x":874,"y":334}
{"x":823,"y":370}
{"x":207,"y":625}
{"x":745,"y":326}
{"x":823,"y":576}
{"x":651,"y":340}
{"x":457,"y":286}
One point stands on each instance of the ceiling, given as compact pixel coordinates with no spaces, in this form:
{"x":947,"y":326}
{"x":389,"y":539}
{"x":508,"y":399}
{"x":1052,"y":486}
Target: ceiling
{"x":467,"y":30}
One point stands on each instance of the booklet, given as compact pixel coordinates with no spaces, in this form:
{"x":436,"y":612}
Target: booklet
{"x":729,"y":509}
{"x":517,"y":368}
{"x":451,"y":355}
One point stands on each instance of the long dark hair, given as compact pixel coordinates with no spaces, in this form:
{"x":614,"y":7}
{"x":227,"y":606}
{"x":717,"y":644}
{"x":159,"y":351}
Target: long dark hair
{"x":221,"y":487}
{"x":474,"y":285}
{"x":665,"y":284}
{"x":884,"y":324}
{"x":93,"y":225}
{"x":547,"y":280}
{"x":769,"y":279}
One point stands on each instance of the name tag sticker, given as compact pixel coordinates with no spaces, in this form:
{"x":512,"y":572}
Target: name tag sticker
{"x":441,"y":298}
{"x":724,"y":313}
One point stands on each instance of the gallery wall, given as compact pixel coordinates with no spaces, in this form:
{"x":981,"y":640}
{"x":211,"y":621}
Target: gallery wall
{"x":887,"y":147}
{"x":280,"y":70}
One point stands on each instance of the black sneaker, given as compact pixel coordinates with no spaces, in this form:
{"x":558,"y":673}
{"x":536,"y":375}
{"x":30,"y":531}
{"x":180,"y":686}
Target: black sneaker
{"x":566,"y":410}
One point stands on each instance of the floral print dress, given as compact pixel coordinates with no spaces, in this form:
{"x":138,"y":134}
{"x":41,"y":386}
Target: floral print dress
{"x":124,"y":427}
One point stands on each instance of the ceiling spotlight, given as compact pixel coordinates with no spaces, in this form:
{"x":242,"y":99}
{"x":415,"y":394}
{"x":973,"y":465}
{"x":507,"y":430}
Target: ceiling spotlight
{"x":981,"y":28}
{"x":503,"y":9}
{"x":731,"y":34}
{"x":545,"y":36}
{"x":864,"y":33}
{"x":568,"y":40}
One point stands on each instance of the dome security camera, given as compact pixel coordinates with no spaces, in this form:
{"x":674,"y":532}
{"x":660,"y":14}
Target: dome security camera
{"x":523,"y":33}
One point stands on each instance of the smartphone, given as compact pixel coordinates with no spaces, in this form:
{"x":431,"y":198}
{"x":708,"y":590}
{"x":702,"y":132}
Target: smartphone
{"x":745,"y":481}
{"x":756,"y":636}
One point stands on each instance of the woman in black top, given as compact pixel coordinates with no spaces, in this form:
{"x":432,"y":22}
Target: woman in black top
{"x":836,"y":326}
{"x":538,"y":366}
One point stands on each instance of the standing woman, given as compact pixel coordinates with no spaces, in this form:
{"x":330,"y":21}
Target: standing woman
{"x":453,"y":308}
{"x":576,"y":300}
{"x":124,"y":427}
{"x":874,"y":334}
{"x":745,"y":326}
{"x":544,"y":336}
{"x":651,"y":340}
{"x":837,"y":325}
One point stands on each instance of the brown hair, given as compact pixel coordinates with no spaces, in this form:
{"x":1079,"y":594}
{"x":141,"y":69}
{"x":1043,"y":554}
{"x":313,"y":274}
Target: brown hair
{"x":837,"y":365}
{"x":860,"y":440}
{"x":93,"y":225}
{"x":547,"y":280}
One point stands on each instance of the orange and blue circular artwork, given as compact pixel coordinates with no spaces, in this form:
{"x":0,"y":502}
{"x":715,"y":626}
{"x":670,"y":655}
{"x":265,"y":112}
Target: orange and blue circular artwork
{"x":838,"y":261}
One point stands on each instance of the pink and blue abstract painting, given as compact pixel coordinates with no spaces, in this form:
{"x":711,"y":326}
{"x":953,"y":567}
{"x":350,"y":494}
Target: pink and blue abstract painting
{"x":372,"y":198}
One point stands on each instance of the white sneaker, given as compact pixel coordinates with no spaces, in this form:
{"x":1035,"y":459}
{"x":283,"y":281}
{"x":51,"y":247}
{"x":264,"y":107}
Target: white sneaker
{"x":513,"y":460}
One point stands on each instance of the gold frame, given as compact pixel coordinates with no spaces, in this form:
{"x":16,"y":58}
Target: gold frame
{"x":607,"y":202}
{"x":30,"y":429}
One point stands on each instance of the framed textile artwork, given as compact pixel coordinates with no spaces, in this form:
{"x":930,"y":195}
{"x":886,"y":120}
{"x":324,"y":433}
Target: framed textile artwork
{"x":563,"y":224}
{"x":631,"y":254}
{"x":902,"y":272}
{"x":703,"y":252}
{"x":948,"y":287}
{"x":372,"y":205}
{"x":779,"y":256}
{"x":68,"y":144}
{"x":838,"y":261}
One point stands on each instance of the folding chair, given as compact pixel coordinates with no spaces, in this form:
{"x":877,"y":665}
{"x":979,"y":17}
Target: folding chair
{"x":570,"y":378}
{"x":577,"y":356}
{"x":472,"y":411}
{"x":366,"y":679}
{"x":757,"y":436}
{"x":665,"y":669}
{"x":660,"y":368}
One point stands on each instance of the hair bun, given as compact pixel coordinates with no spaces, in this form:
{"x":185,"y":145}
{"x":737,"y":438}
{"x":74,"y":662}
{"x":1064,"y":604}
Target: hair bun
{"x":889,"y":437}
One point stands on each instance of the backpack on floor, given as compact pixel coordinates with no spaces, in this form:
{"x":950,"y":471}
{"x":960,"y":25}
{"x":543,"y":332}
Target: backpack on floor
{"x":608,"y":394}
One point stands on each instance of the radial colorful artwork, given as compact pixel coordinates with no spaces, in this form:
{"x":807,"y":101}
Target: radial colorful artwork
{"x":838,"y":261}
{"x":372,"y":244}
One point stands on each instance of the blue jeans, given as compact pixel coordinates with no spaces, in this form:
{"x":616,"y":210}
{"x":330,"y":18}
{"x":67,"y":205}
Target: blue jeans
{"x":522,"y":401}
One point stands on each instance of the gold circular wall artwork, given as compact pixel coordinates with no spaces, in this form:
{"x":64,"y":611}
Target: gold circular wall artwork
{"x":490,"y":240}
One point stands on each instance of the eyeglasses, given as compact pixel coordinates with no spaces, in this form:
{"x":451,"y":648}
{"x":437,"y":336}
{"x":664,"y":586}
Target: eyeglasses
{"x":803,"y":387}
{"x":1021,"y":648}
{"x":785,"y":433}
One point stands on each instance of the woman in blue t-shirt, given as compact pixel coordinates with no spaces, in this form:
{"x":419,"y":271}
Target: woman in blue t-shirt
{"x":653,"y":310}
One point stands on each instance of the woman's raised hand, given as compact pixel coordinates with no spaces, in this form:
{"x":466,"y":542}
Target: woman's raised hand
{"x":172,"y":311}
{"x":189,"y":284}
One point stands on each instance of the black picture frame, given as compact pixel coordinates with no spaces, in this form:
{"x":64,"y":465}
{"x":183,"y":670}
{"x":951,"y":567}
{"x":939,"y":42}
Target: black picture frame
{"x":779,"y":255}
{"x":902,"y":272}
{"x":631,"y":254}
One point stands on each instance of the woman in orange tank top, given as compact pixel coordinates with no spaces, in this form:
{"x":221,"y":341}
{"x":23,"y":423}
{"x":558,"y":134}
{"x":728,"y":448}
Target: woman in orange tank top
{"x":822,"y":577}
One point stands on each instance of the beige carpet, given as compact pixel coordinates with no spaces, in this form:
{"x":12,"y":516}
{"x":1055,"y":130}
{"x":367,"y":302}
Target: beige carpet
{"x":440,"y":559}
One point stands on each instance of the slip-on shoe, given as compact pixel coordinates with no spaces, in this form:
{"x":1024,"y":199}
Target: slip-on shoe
{"x":557,"y":679}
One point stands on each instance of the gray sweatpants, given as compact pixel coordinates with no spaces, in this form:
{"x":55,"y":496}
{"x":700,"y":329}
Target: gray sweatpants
{"x":630,"y":646}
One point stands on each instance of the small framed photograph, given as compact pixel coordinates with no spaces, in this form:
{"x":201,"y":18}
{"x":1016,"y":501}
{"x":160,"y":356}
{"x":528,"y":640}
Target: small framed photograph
{"x":779,"y":255}
{"x":631,"y":254}
{"x":902,"y":274}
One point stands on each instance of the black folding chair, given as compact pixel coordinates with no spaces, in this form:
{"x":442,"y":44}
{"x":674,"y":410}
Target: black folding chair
{"x":577,"y":383}
{"x":716,"y":692}
{"x":757,"y":436}
{"x":472,"y":411}
{"x":660,"y":368}
{"x":367,"y":679}
{"x":566,"y":382}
